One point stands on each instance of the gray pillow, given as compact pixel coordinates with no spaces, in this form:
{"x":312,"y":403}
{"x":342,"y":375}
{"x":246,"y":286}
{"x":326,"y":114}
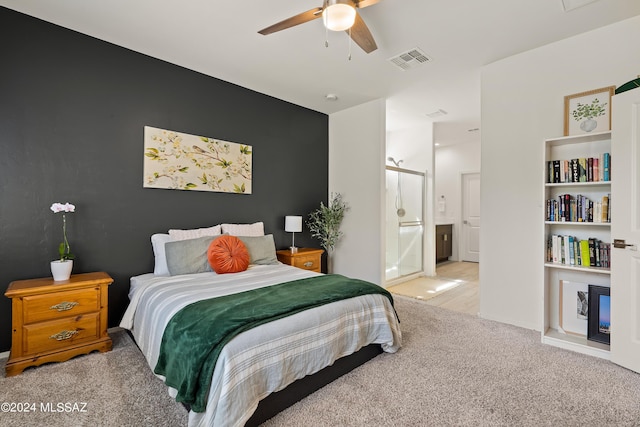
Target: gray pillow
{"x":188,"y":256}
{"x":262,"y":249}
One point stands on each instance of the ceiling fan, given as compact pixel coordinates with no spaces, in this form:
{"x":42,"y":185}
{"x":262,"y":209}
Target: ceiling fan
{"x":337,"y":15}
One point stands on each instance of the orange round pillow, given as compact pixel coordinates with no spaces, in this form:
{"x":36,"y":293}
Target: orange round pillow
{"x":227,"y":254}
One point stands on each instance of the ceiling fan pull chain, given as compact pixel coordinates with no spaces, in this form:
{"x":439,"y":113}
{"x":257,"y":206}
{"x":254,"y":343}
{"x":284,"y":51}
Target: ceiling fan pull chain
{"x":349,"y":43}
{"x":326,"y":37}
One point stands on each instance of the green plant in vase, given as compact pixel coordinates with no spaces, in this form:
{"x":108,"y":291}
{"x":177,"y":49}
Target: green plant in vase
{"x":324,"y":224}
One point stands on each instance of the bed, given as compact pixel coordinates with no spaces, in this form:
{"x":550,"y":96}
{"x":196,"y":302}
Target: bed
{"x":266,"y":359}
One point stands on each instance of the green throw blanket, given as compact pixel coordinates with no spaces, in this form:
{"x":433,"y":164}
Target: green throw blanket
{"x":195,"y":336}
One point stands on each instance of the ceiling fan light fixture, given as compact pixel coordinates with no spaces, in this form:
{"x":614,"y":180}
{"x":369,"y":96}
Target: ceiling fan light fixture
{"x":338,"y":15}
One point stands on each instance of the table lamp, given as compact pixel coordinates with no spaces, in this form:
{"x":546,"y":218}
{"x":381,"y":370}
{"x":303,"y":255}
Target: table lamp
{"x":293,"y":224}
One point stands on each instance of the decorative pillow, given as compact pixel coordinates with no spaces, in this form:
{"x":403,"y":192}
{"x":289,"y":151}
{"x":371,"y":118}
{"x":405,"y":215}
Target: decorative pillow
{"x":262,"y":249}
{"x":195,"y":233}
{"x":227,"y":254}
{"x":157,"y":242}
{"x":188,"y":256}
{"x":255,"y":229}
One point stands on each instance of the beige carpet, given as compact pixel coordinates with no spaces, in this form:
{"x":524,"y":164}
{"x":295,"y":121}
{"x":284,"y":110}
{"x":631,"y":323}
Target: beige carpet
{"x":458,"y":370}
{"x":453,"y":370}
{"x":118,"y":388}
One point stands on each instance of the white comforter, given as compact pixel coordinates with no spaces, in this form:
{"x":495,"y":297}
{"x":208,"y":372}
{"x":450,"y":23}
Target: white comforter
{"x":265,"y":359}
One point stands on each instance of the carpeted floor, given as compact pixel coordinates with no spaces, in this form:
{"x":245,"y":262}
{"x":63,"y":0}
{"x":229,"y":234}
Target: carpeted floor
{"x":457,"y":370}
{"x":118,"y":388}
{"x":453,"y":370}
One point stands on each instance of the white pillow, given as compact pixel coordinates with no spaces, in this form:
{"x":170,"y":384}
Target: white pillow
{"x":255,"y":229}
{"x":195,"y":233}
{"x":157,"y":242}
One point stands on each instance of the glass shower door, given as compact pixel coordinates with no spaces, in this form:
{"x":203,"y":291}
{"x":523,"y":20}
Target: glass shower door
{"x":404,"y":223}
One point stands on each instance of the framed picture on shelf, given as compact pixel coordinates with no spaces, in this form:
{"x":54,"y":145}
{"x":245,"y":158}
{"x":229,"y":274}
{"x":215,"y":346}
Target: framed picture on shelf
{"x":599,"y":314}
{"x":574,"y":307}
{"x":589,"y":111}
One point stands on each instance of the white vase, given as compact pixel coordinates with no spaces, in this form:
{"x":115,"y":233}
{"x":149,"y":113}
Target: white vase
{"x":61,"y":270}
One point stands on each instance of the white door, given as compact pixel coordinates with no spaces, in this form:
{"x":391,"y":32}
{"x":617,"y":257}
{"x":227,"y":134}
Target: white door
{"x":625,"y":225}
{"x":471,"y":217}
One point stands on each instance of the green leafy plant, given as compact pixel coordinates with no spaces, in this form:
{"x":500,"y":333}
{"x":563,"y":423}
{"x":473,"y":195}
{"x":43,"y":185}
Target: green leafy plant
{"x":588,"y":111}
{"x":324,"y":222}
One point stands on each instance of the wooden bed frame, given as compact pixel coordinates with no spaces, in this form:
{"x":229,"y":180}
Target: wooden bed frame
{"x":298,"y":390}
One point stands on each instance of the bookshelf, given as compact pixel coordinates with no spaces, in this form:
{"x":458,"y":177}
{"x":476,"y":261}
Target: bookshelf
{"x":577,"y":234}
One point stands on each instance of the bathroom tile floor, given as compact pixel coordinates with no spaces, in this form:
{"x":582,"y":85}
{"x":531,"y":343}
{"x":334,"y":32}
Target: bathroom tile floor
{"x":455,"y":287}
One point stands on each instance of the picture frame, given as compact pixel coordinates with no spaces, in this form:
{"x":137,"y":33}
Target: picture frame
{"x":574,"y":308}
{"x":599,"y":314}
{"x":589,"y":111}
{"x":180,"y":161}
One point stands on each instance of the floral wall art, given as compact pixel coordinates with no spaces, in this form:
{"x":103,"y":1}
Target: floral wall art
{"x":587,"y":112}
{"x":180,"y":161}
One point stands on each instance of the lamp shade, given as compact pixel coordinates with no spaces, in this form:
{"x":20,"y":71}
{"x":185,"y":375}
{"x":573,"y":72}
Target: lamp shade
{"x":293,"y":224}
{"x":338,"y":15}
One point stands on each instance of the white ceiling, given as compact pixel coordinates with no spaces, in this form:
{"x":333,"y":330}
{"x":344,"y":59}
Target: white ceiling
{"x":220,"y":39}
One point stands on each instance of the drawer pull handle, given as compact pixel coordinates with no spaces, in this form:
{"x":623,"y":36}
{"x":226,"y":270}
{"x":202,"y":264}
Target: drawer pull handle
{"x":308,"y":264}
{"x":63,"y":335}
{"x":63,"y":306}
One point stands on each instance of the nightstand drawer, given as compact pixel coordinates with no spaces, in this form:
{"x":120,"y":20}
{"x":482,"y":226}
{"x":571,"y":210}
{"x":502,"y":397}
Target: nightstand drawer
{"x":58,"y":334}
{"x":305,"y":258}
{"x":59,"y":305}
{"x":311,"y":262}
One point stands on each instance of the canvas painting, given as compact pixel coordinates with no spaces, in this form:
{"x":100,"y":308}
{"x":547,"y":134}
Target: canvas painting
{"x":179,"y":161}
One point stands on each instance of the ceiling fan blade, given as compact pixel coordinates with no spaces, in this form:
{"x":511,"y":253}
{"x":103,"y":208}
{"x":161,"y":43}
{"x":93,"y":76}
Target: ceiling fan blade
{"x":362,"y":36}
{"x":365,"y":3}
{"x":307,"y":16}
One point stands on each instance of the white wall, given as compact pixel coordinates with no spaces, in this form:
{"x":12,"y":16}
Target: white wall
{"x":414,"y":146}
{"x":356,"y":170}
{"x":523,"y":104}
{"x":450,"y":163}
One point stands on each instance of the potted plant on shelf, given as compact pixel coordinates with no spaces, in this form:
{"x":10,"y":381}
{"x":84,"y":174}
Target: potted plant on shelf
{"x":324,"y":224}
{"x":61,"y":268}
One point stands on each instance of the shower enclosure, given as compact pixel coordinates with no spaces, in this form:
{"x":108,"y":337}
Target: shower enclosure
{"x":404,"y":221}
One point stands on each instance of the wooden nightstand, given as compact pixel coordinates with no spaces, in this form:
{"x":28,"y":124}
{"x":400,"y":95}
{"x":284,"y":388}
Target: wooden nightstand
{"x":55,"y":321}
{"x":305,"y":258}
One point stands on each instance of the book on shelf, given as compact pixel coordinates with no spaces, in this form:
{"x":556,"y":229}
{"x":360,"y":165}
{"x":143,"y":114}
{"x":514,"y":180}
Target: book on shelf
{"x":581,"y":169}
{"x":584,"y":249}
{"x":569,"y":250}
{"x":578,"y":208}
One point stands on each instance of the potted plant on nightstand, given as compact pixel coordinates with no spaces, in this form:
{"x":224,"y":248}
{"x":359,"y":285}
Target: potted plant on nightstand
{"x":61,"y":268}
{"x":324,"y":224}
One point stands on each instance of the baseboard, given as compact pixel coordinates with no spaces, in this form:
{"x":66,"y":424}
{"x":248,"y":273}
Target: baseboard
{"x":4,"y":355}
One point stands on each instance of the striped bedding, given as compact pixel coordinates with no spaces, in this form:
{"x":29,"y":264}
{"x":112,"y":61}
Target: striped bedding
{"x":265,"y":359}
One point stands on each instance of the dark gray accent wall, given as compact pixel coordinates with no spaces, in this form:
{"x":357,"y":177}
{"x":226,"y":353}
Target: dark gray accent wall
{"x":72,"y":116}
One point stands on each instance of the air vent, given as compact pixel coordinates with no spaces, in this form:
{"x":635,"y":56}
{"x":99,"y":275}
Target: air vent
{"x":410,"y":59}
{"x":438,"y":113}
